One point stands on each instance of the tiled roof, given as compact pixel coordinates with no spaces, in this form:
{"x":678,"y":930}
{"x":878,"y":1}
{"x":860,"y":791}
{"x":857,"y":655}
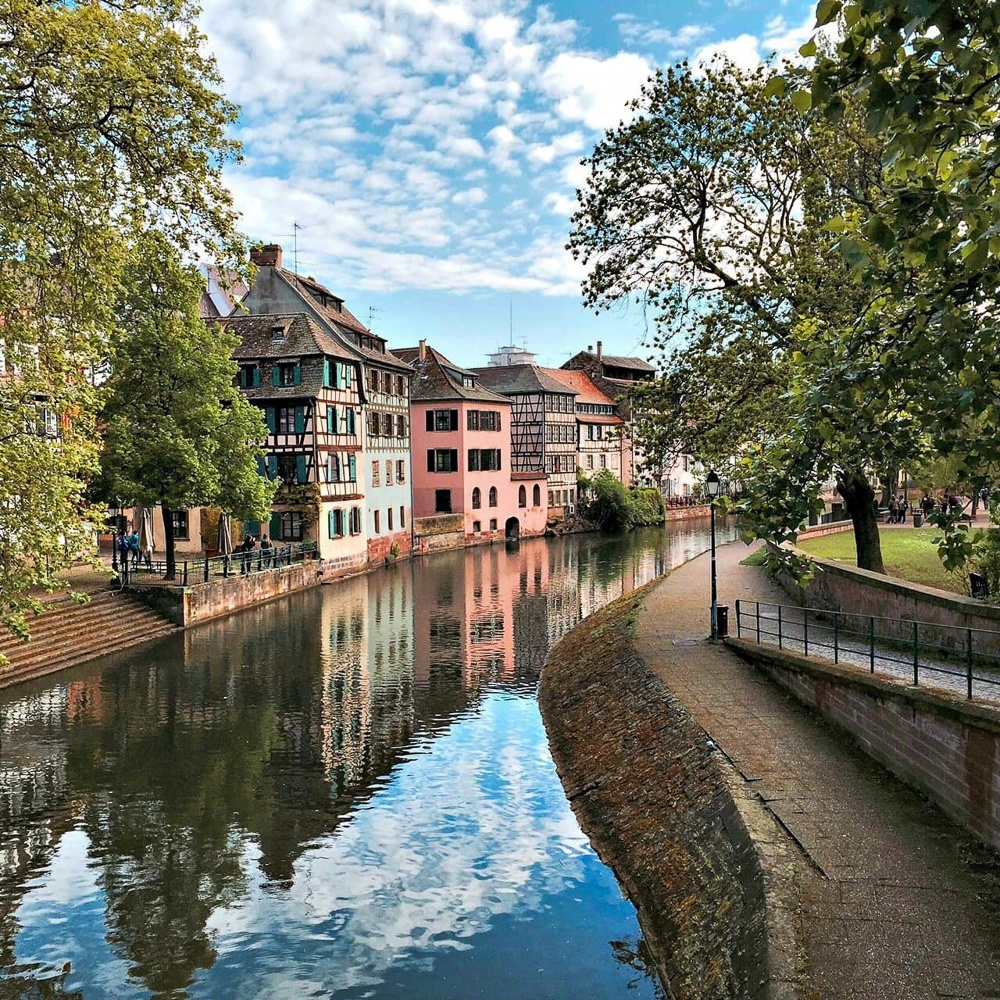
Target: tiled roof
{"x":302,"y":336}
{"x":619,"y":361}
{"x":346,"y":324}
{"x":432,"y":380}
{"x":582,"y":384}
{"x":513,"y":380}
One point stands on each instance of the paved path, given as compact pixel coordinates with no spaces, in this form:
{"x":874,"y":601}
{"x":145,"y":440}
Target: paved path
{"x":897,"y":902}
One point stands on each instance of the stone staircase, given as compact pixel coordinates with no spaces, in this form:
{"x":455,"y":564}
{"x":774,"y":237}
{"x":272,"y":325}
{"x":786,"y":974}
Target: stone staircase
{"x":69,"y":633}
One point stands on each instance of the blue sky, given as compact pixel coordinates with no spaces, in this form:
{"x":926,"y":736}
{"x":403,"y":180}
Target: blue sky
{"x":429,"y":149}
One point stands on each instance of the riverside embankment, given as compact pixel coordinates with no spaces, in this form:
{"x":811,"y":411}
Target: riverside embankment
{"x":868,"y":890}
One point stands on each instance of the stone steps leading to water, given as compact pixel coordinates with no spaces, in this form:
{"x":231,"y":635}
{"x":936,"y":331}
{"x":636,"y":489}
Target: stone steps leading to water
{"x":68,"y":634}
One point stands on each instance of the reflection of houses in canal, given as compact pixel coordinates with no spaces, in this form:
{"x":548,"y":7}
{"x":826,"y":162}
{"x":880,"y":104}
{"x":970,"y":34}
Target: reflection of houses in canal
{"x":366,"y":689}
{"x":464,"y":621}
{"x":564,"y":599}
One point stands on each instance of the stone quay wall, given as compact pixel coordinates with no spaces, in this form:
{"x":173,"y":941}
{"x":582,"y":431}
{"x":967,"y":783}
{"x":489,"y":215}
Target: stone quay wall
{"x":647,"y":788}
{"x":187,"y":606}
{"x":945,"y":746}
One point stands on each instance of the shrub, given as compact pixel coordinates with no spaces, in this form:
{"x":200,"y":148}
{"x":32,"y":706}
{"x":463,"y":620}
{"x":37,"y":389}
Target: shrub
{"x":647,"y":504}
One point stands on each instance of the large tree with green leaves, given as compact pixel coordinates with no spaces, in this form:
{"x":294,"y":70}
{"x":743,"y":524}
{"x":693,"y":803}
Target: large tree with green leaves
{"x":111,"y":121}
{"x":710,"y":206}
{"x":177,"y":430}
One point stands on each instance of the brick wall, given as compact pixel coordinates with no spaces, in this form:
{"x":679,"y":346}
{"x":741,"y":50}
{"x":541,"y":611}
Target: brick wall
{"x":944,"y":746}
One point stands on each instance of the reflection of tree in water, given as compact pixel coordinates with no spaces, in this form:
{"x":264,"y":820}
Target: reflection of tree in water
{"x":21,"y":985}
{"x":635,"y":955}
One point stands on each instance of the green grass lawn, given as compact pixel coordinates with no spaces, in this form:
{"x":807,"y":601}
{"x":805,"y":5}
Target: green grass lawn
{"x":908,"y":553}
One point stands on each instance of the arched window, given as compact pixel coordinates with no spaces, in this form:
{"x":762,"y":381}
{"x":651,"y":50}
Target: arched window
{"x":493,"y":496}
{"x":522,"y":497}
{"x":536,"y":496}
{"x":477,"y":499}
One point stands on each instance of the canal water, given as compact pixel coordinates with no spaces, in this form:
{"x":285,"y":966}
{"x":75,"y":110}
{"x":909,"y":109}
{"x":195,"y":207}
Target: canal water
{"x":347,"y":793}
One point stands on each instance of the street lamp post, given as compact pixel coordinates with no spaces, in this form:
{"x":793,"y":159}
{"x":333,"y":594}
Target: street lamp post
{"x":114,"y":536}
{"x":712,"y":484}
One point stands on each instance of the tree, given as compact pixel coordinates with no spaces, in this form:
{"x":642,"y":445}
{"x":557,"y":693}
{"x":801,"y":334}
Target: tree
{"x":110,"y":120}
{"x":177,"y":430}
{"x":610,"y":504}
{"x":710,"y":207}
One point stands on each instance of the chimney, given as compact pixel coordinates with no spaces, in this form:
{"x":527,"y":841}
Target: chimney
{"x":266,"y":256}
{"x":598,"y":350}
{"x":423,"y":350}
{"x":590,"y":348}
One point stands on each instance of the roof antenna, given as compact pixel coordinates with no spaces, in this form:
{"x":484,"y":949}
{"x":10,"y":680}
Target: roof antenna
{"x":372,"y":310}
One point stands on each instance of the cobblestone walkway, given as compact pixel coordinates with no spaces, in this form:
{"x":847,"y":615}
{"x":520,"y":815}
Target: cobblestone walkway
{"x":896,"y":901}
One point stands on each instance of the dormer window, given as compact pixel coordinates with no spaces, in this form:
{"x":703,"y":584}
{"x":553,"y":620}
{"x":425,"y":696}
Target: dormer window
{"x":469,"y":382}
{"x":277,"y":332}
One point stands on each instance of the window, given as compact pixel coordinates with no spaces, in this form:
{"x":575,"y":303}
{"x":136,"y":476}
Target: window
{"x":484,"y":459}
{"x":477,"y":498}
{"x":400,"y":388}
{"x":522,"y":496}
{"x":442,"y":460}
{"x":376,"y":479}
{"x":373,"y":380}
{"x":290,"y":526}
{"x":286,"y":373}
{"x":179,"y":519}
{"x":355,"y":520}
{"x":536,"y":496}
{"x":590,"y":461}
{"x":333,"y":469}
{"x":331,"y":420}
{"x":604,"y":460}
{"x":442,"y":420}
{"x":287,"y":419}
{"x":402,"y":517}
{"x":373,"y":424}
{"x":442,"y":501}
{"x":249,"y":376}
{"x":401,"y":470}
{"x":401,"y":427}
{"x":493,"y":496}
{"x":477,"y":527}
{"x":350,"y":422}
{"x":493,"y":524}
{"x":292,"y":469}
{"x":388,"y":472}
{"x":335,"y":523}
{"x":388,"y":518}
{"x":378,"y":522}
{"x":483,"y":420}
{"x":550,"y":498}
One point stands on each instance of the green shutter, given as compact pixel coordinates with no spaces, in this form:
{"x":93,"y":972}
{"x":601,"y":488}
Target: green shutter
{"x":352,"y":469}
{"x":336,"y":374}
{"x":331,"y":420}
{"x":297,"y":374}
{"x":272,"y":466}
{"x":269,"y":416}
{"x":330,"y":529}
{"x":301,"y":473}
{"x":275,"y":526}
{"x":261,"y":466}
{"x":348,"y":375}
{"x":256,"y":377}
{"x":300,"y":419}
{"x":351,"y":425}
{"x":276,"y":374}
{"x":326,"y":372}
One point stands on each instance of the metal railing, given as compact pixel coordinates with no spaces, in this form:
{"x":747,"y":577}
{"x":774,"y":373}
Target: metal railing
{"x":960,"y":659}
{"x":204,"y":569}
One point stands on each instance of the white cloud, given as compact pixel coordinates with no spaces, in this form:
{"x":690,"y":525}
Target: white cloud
{"x":650,"y":33}
{"x":594,"y":90}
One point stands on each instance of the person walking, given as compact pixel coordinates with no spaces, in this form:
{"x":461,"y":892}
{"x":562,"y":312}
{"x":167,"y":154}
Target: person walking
{"x":246,"y":550}
{"x":266,"y":551}
{"x":902,"y":505}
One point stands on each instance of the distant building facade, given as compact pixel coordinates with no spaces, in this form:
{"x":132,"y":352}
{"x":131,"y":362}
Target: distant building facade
{"x":466,"y":487}
{"x":543,"y":429}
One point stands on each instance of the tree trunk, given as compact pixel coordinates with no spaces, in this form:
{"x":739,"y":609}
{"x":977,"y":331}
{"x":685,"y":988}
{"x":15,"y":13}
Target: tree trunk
{"x":859,"y":499}
{"x":168,"y":542}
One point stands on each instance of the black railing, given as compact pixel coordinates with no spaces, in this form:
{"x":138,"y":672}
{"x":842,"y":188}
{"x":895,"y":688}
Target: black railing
{"x":189,"y":572}
{"x":960,"y":659}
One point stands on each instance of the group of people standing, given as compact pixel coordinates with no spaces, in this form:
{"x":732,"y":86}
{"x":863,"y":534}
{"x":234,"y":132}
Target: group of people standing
{"x":248,"y":546}
{"x":899,"y":507}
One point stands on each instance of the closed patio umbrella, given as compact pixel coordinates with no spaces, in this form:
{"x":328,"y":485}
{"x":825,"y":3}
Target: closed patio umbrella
{"x":144,"y":517}
{"x":224,"y":544}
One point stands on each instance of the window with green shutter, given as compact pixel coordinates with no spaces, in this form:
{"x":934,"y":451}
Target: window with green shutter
{"x":272,"y":466}
{"x":270,"y":418}
{"x":352,"y":469}
{"x":300,"y":419}
{"x":276,"y":374}
{"x":301,"y":472}
{"x":351,"y":425}
{"x":331,"y":420}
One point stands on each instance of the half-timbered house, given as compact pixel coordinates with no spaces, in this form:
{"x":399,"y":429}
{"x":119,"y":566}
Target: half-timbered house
{"x":543,"y":428}
{"x":337,"y":404}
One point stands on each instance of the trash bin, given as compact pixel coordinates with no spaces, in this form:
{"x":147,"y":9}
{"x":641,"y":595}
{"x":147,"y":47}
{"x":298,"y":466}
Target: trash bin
{"x":722,"y":620}
{"x":979,"y":587}
{"x":918,"y":519}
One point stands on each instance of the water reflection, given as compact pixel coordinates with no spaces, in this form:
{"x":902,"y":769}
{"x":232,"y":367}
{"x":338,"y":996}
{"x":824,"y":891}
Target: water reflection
{"x":347,"y":793}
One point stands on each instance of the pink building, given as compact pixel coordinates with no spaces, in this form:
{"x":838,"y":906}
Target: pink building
{"x":464,"y":489}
